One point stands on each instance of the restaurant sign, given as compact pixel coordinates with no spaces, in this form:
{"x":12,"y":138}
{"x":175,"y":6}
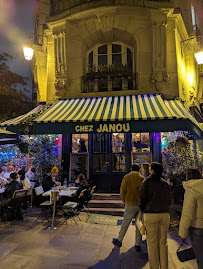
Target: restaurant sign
{"x":104,"y":128}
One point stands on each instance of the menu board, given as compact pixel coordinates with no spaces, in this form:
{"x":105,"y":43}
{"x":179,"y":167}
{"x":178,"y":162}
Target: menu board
{"x":79,"y":164}
{"x":142,"y":157}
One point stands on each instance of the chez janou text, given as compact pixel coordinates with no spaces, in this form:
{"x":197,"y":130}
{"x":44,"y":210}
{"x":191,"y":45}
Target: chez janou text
{"x":103,"y":128}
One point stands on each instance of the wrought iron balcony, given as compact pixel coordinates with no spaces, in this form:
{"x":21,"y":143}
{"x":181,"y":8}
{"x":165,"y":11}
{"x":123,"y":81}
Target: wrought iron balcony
{"x":58,"y":6}
{"x":109,"y":78}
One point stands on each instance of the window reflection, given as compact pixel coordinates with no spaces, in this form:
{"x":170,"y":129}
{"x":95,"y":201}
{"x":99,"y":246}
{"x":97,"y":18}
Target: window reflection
{"x":118,"y":142}
{"x":100,"y":162}
{"x":79,"y":143}
{"x":119,"y":162}
{"x":140,"y":142}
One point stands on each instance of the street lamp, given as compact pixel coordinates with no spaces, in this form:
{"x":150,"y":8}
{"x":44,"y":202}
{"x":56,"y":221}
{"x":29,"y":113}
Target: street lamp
{"x":198,"y":54}
{"x":28,"y":53}
{"x":199,"y":57}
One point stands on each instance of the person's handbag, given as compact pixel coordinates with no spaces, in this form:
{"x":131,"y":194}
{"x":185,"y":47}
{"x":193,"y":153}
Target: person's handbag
{"x":186,"y":254}
{"x":140,"y":224}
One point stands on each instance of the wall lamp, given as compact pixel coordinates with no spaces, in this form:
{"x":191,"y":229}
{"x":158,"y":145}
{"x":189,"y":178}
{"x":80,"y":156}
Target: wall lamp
{"x":28,"y":50}
{"x":199,"y":53}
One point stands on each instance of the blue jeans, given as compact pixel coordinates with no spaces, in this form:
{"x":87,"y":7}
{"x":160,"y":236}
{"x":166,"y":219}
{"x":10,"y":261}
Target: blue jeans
{"x":131,"y":212}
{"x":196,"y":237}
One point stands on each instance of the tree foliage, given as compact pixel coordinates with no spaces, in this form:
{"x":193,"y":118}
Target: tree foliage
{"x":178,"y":153}
{"x":42,"y":149}
{"x":12,"y":101}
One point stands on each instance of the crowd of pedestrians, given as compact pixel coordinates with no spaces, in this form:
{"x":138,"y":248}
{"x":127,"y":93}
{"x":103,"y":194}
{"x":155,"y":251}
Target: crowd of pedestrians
{"x":150,"y":196}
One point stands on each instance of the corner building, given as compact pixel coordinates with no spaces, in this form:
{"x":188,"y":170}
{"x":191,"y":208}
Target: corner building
{"x":111,"y":69}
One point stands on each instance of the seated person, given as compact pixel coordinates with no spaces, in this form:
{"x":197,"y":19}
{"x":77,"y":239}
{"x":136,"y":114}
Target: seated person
{"x":82,"y":183}
{"x":31,"y":175}
{"x":12,"y":186}
{"x":9,"y":208}
{"x":23,"y":179}
{"x":50,"y":180}
{"x":10,"y":169}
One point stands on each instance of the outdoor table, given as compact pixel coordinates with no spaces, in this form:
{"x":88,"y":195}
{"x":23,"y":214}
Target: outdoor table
{"x":68,"y":192}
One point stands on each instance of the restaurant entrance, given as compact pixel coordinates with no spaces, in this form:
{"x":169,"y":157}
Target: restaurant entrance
{"x":105,"y":158}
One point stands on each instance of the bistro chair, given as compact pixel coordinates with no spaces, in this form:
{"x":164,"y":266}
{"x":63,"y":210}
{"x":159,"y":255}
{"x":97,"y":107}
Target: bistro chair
{"x":14,"y":205}
{"x":47,"y":206}
{"x":72,"y":209}
{"x":87,"y":198}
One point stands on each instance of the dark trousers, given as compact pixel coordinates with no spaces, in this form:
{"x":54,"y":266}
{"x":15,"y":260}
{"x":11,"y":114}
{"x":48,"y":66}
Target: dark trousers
{"x":196,"y":237}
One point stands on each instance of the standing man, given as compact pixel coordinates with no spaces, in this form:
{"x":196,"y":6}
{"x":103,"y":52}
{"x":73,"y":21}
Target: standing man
{"x":130,"y":196}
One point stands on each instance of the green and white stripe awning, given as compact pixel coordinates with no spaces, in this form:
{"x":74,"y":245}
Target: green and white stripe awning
{"x":102,"y":109}
{"x":21,"y":118}
{"x":131,"y":113}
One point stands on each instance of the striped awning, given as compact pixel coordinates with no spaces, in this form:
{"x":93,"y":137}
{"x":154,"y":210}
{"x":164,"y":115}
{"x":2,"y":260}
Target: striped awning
{"x":12,"y":125}
{"x":132,"y":113}
{"x":101,"y":109}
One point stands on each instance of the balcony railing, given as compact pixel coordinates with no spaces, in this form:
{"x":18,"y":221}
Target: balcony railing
{"x":109,"y":78}
{"x":58,"y":6}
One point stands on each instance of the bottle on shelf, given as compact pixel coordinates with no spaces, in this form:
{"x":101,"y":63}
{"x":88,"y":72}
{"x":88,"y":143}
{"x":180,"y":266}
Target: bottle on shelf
{"x":65,"y":183}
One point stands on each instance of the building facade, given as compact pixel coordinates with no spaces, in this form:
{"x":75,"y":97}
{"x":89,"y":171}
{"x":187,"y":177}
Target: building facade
{"x":116,"y":48}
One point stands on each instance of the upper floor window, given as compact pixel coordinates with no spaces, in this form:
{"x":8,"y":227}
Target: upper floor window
{"x":110,"y":67}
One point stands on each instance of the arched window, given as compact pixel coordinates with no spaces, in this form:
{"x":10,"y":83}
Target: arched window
{"x":110,"y":67}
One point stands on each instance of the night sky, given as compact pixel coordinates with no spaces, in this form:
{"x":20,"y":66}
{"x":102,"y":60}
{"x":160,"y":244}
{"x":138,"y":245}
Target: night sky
{"x":16,"y":19}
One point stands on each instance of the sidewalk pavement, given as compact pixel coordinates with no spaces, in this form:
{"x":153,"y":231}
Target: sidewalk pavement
{"x":30,"y":245}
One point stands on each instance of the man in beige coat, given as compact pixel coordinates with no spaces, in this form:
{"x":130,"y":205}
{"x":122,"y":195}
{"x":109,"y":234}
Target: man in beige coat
{"x":129,"y":192}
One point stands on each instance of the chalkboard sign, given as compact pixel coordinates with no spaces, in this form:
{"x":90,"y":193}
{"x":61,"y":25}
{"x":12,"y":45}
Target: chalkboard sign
{"x":79,"y":163}
{"x":142,"y":157}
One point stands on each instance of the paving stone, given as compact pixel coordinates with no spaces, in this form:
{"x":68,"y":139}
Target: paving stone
{"x":60,"y":244}
{"x":107,"y":264}
{"x":14,"y":261}
{"x":137,"y":264}
{"x":6,"y":248}
{"x":81,"y":256}
{"x":47,"y":261}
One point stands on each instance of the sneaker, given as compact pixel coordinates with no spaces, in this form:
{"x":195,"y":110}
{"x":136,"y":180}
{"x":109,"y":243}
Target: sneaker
{"x":116,"y":242}
{"x":137,"y":248}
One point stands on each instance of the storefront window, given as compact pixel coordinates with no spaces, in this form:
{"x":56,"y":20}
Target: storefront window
{"x":100,"y":152}
{"x":118,"y":144}
{"x":79,"y":143}
{"x":118,"y":149}
{"x":140,"y":142}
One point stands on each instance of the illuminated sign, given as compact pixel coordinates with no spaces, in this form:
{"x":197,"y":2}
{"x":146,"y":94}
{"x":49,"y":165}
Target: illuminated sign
{"x":104,"y":128}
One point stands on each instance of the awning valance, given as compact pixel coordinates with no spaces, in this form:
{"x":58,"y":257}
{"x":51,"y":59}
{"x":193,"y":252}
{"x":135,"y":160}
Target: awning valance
{"x":133,"y":113}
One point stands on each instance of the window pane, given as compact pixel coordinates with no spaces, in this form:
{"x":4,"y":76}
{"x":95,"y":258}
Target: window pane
{"x":116,"y":48}
{"x":136,"y":142}
{"x":145,"y":142}
{"x":119,"y":162}
{"x":116,"y":59}
{"x":140,"y":142}
{"x":91,"y":58}
{"x":102,"y":49}
{"x":100,"y":162}
{"x":129,"y":59}
{"x":118,"y":144}
{"x":79,"y":143}
{"x":102,"y":60}
{"x":100,"y":142}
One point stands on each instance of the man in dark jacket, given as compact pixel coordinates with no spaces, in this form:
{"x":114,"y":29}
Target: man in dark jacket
{"x":50,"y":180}
{"x":155,"y":199}
{"x":9,"y":209}
{"x":12,"y":186}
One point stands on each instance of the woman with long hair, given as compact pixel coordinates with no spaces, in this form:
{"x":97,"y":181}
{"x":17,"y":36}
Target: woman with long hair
{"x":191,"y":222}
{"x":155,"y":199}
